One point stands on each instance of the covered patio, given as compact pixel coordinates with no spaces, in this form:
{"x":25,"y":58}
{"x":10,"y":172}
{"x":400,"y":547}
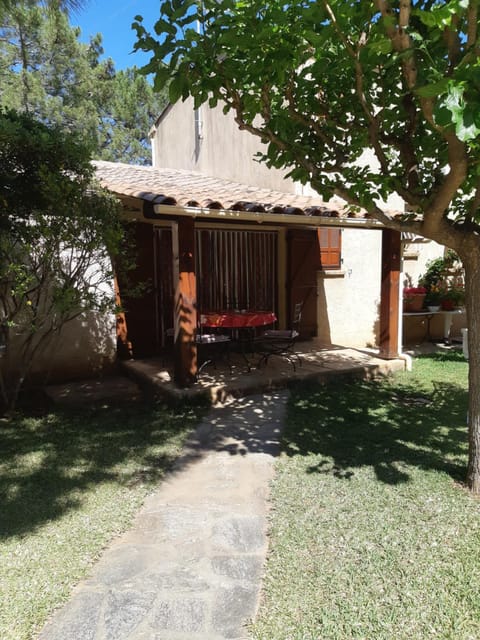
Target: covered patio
{"x":154,"y":377}
{"x":223,"y":380}
{"x":203,"y":241}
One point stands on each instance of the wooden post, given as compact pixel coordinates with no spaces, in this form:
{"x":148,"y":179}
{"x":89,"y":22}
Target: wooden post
{"x":124,"y":346}
{"x":390,"y":294}
{"x":185,"y":309}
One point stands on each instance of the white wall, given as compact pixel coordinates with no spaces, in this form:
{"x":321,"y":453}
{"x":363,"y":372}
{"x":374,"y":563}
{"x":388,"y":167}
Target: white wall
{"x":416,"y":257}
{"x":86,"y":347}
{"x":393,"y":203}
{"x":349,"y":300}
{"x":223,"y":151}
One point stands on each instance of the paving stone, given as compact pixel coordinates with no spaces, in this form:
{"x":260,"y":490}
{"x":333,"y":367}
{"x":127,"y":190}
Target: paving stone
{"x":245,"y":534}
{"x":122,"y":564}
{"x":125,"y":611}
{"x":183,"y":615}
{"x":180,"y":580}
{"x":150,"y":634}
{"x":78,"y":619}
{"x":238,"y":567}
{"x":233,"y":607}
{"x":182,"y":521}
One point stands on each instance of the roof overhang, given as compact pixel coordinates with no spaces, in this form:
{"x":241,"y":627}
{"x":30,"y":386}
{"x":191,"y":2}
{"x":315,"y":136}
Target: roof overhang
{"x":227,"y":215}
{"x":157,"y":193}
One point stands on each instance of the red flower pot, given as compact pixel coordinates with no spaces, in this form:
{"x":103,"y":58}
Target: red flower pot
{"x":413,"y":302}
{"x":448,"y":305}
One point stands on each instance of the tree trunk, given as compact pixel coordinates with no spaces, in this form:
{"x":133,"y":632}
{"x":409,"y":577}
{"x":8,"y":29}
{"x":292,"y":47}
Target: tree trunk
{"x":472,"y":290}
{"x":24,"y":71}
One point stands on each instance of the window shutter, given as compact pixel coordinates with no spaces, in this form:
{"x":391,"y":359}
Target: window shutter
{"x":330,"y":243}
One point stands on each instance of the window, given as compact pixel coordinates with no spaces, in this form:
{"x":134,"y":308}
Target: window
{"x":330,"y":242}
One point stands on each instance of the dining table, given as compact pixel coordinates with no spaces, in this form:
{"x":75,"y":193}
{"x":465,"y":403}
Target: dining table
{"x":237,"y":319}
{"x":242,"y":323}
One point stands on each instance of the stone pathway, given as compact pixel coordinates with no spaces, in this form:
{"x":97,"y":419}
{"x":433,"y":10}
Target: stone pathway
{"x":191,"y":566}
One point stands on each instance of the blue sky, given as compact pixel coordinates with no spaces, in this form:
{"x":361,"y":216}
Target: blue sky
{"x":113,"y":19}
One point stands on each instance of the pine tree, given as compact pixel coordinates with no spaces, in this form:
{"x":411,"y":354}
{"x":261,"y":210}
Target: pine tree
{"x":127,"y":117}
{"x":47,"y":72}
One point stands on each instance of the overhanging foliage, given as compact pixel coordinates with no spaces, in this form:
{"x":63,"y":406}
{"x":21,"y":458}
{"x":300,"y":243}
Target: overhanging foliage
{"x":322,"y":81}
{"x":59,"y":233}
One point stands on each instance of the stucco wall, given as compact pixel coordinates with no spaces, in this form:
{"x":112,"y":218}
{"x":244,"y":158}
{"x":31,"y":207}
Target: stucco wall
{"x":348,"y":300}
{"x":85,"y":347}
{"x":222,"y":151}
{"x":415,"y":260}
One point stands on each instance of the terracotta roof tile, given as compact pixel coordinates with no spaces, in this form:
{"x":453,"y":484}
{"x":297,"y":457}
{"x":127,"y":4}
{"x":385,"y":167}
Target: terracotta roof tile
{"x":191,"y":189}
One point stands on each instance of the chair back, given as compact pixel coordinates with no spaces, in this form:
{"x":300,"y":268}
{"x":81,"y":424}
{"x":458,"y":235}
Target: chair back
{"x":297,"y":315}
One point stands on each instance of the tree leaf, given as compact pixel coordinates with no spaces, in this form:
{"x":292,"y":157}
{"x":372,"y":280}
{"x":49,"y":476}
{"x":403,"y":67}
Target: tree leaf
{"x":434,"y":89}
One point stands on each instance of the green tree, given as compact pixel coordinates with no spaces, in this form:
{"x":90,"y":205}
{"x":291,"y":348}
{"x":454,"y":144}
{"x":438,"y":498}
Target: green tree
{"x":70,"y":6}
{"x":46,"y":71}
{"x":320,"y":81}
{"x":58,"y":235}
{"x":127,"y":114}
{"x":66,"y":5}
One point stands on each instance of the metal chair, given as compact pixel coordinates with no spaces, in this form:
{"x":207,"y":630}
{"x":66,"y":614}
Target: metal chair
{"x":281,"y":342}
{"x":209,"y":345}
{"x":213,"y":344}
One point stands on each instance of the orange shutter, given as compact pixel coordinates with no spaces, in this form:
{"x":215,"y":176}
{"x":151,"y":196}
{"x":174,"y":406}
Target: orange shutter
{"x":330,"y":242}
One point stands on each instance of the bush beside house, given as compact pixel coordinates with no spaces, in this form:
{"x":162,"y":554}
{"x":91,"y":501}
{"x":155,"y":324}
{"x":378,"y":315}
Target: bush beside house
{"x":59,"y":233}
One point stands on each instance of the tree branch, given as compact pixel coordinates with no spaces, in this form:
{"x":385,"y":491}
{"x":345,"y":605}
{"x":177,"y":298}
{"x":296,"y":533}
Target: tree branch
{"x":392,"y":222}
{"x":310,"y":123}
{"x":472,"y":24}
{"x":399,"y":37}
{"x":453,"y":43}
{"x":354,"y":54}
{"x":458,"y":163}
{"x":474,"y":205}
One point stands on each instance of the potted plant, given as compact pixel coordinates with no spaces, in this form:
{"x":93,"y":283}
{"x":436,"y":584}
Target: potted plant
{"x":453,"y":297}
{"x":413,"y":299}
{"x":444,"y":282}
{"x":433,"y":298}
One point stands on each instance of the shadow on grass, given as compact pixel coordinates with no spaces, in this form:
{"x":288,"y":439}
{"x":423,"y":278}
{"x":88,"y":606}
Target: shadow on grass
{"x":46,"y":462}
{"x":390,"y":426}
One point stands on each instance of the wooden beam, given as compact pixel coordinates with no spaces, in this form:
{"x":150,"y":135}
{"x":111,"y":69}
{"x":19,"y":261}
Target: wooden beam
{"x":390,"y":294}
{"x":124,"y":346}
{"x":185,"y":309}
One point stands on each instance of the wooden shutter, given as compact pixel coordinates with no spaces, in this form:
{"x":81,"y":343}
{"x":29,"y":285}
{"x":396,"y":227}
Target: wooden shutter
{"x":330,"y":243}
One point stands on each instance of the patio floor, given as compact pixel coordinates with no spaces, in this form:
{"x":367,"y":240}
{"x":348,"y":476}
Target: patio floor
{"x":218,"y":383}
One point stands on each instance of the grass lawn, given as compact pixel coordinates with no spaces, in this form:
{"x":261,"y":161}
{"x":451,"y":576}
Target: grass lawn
{"x":70,"y":482}
{"x":373,"y":535}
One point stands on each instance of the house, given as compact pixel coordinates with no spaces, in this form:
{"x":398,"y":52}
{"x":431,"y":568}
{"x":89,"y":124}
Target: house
{"x":212,"y":243}
{"x":206,"y":130}
{"x":346,"y":286}
{"x":214,"y":229}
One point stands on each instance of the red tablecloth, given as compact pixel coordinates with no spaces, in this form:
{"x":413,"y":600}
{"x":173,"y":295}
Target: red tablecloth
{"x":237,"y":319}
